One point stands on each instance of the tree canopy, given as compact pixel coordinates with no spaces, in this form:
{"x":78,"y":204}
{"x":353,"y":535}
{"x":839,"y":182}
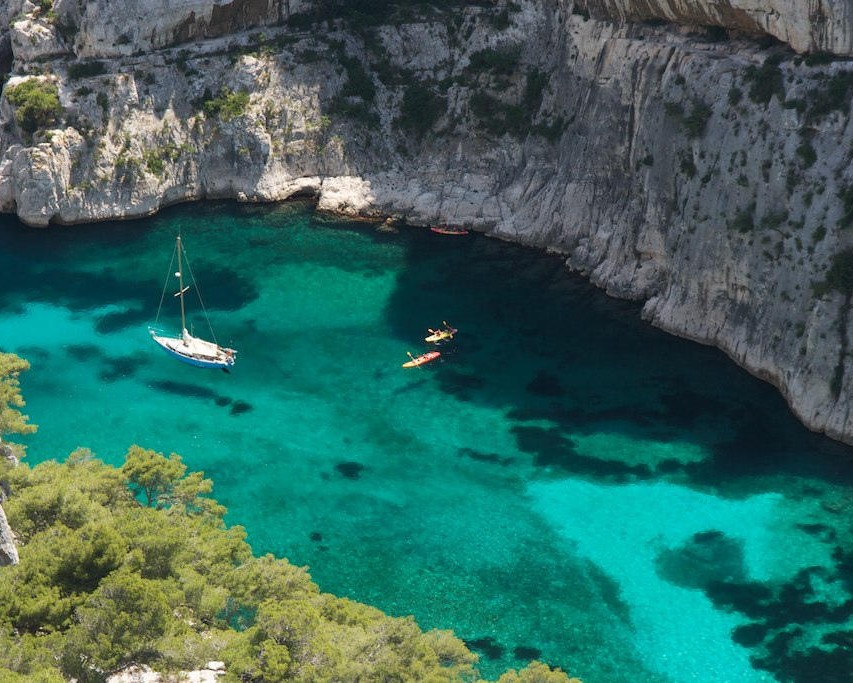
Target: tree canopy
{"x":36,"y":103}
{"x":136,"y":566}
{"x":12,"y":421}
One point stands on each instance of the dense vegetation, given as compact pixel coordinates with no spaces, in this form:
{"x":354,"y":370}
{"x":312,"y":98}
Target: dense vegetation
{"x":134,"y":565}
{"x":36,"y":103}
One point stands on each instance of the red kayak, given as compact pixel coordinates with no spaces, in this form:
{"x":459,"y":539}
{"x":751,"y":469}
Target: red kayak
{"x":422,"y":359}
{"x":449,"y":230}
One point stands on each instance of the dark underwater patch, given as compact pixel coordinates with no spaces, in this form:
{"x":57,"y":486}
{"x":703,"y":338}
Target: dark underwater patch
{"x":545,"y":384}
{"x":459,"y":384}
{"x":750,"y":635}
{"x":526,"y":652}
{"x":316,"y":536}
{"x":751,"y":598}
{"x":789,"y":662}
{"x":707,"y":557}
{"x":479,"y":456}
{"x":610,"y":592}
{"x":752,"y":451}
{"x":488,"y":647}
{"x":34,"y":353}
{"x":120,"y":368}
{"x":83,"y":290}
{"x":822,"y":531}
{"x":113,"y":322}
{"x":224,"y":288}
{"x":778,"y":635}
{"x":685,"y":408}
{"x":669,"y":466}
{"x":350,"y":470}
{"x":550,"y":448}
{"x":453,"y":379}
{"x":589,"y":419}
{"x":222,"y":401}
{"x":239,"y":407}
{"x":184,"y":389}
{"x":842,"y":638}
{"x":83,"y":352}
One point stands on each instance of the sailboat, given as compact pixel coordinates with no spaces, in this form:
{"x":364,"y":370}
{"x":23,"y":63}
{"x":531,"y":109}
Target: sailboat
{"x":186,"y":347}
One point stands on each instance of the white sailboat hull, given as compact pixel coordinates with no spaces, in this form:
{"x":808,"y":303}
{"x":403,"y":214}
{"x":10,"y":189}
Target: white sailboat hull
{"x":195,"y":351}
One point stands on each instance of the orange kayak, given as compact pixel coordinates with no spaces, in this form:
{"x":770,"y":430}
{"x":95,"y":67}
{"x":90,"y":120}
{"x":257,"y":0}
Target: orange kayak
{"x":420,"y":360}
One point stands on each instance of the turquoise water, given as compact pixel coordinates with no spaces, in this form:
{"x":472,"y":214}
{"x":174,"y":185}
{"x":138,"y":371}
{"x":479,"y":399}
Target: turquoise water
{"x":565,"y":483}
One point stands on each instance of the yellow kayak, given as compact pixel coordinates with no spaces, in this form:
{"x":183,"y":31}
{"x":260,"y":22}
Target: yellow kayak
{"x":441,"y":335}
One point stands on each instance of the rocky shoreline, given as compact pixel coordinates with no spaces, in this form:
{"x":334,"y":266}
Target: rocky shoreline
{"x":708,"y":178}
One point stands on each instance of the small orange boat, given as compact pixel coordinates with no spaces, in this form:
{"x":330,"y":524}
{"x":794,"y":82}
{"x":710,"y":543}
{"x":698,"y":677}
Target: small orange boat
{"x":449,"y":230}
{"x":421,"y":360}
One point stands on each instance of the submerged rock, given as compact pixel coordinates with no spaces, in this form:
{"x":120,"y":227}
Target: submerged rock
{"x":706,"y":558}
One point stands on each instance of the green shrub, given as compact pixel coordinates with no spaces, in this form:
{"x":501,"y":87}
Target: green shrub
{"x":766,"y":81}
{"x":840,"y":274}
{"x":774,"y":219}
{"x":36,"y":103}
{"x":499,"y":118}
{"x":833,"y":95}
{"x":716,"y":34}
{"x":534,"y":89}
{"x":67,"y":29}
{"x":503,"y":62}
{"x":673,"y":109}
{"x":154,"y":162}
{"x":103,"y":102}
{"x":359,"y":83}
{"x":744,"y":220}
{"x":420,"y":109}
{"x":694,"y":123}
{"x":355,"y":109}
{"x":807,"y":153}
{"x":819,"y":58}
{"x":551,"y":131}
{"x":227,"y":105}
{"x":686,"y":165}
{"x":735,"y":96}
{"x":86,"y":69}
{"x":846,"y":197}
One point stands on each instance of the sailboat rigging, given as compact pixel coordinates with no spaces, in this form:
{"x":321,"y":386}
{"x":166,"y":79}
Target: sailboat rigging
{"x":186,"y":347}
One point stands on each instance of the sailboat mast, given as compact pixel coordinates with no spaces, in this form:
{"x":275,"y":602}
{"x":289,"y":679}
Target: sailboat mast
{"x":181,"y":286}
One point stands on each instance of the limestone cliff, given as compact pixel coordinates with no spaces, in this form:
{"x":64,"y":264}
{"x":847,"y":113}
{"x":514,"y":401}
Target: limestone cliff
{"x":8,"y":550}
{"x":806,"y":25}
{"x":709,"y":179}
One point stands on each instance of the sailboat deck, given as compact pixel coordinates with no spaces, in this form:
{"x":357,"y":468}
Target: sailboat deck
{"x":196,"y":351}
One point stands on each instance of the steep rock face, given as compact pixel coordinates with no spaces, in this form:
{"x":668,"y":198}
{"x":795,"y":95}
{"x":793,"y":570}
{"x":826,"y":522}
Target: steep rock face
{"x":104,"y":28}
{"x":8,"y":550}
{"x":709,"y":180}
{"x":805,"y":25}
